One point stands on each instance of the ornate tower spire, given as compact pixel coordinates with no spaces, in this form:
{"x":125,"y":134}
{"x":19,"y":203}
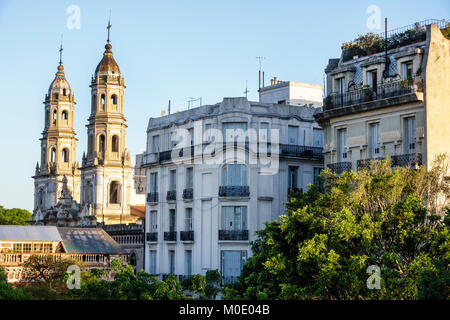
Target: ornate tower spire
{"x":58,"y":143}
{"x":109,"y":25}
{"x":60,"y":51}
{"x":106,"y":171}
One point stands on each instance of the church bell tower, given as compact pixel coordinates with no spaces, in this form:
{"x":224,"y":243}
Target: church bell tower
{"x":106,"y":173}
{"x":58,"y":145}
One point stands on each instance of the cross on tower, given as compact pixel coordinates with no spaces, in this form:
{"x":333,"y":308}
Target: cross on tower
{"x":109,"y":25}
{"x":60,"y":52}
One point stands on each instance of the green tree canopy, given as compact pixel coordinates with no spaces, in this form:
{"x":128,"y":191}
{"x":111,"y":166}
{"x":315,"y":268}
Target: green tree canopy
{"x":14,"y":216}
{"x":396,"y":220}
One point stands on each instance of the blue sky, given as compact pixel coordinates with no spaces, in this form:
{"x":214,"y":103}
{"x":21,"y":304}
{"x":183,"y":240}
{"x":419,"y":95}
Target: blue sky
{"x":166,"y":50}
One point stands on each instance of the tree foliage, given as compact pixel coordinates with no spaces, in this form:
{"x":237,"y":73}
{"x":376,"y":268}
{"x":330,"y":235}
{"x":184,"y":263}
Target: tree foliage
{"x":14,"y":216}
{"x":321,"y":249}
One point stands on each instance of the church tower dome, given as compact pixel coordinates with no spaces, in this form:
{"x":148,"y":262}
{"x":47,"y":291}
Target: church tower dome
{"x":107,"y":66}
{"x":60,"y":85}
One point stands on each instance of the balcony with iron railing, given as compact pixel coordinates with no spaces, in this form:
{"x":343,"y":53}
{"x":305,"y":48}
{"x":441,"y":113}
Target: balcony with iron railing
{"x":188,"y":194}
{"x":170,"y":236}
{"x":285,"y":150}
{"x":171,"y":195}
{"x":233,"y":235}
{"x":340,"y":167}
{"x":152,"y":236}
{"x":187,"y":235}
{"x":234,"y":191}
{"x":407,"y":160}
{"x":359,"y":99}
{"x":152,"y":197}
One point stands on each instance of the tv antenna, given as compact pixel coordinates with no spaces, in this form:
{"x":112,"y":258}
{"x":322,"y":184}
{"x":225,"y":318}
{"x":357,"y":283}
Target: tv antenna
{"x":260,"y":69}
{"x":246,"y":89}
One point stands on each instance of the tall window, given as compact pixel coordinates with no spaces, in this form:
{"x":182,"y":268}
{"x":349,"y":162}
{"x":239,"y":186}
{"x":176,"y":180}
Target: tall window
{"x":53,"y":155}
{"x":234,"y":218}
{"x":55,"y":116}
{"x":172,"y":220}
{"x":410,"y":134}
{"x":153,"y":221}
{"x":189,"y":178}
{"x":375,"y":140}
{"x":113,"y":99}
{"x":316,"y":175}
{"x":191,"y":135}
{"x":407,"y":68}
{"x":154,"y":182}
{"x":64,"y":115}
{"x":293,"y":135}
{"x":341,"y":89}
{"x":232,"y":263}
{"x":152,"y":261}
{"x":264,"y":132}
{"x":173,"y":180}
{"x":155,"y":141}
{"x":293,"y":177}
{"x":207,"y":134}
{"x":317,"y":137}
{"x":102,"y":102}
{"x":234,"y":175}
{"x":114,"y":189}
{"x":171,"y":261}
{"x":65,"y":155}
{"x":232,"y":129}
{"x":101,"y":145}
{"x":188,"y":220}
{"x":115,"y":144}
{"x":342,"y":133}
{"x":372,"y":79}
{"x":188,"y":263}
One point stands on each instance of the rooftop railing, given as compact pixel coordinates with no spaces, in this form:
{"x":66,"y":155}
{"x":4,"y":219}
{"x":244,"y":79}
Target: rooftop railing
{"x":381,"y":91}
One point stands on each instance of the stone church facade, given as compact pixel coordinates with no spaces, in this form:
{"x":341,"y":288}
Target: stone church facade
{"x":103,"y":186}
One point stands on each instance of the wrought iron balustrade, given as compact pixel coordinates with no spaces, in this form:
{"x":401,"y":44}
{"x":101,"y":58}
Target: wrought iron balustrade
{"x":171,"y":195}
{"x":152,"y":197}
{"x":187,"y":235}
{"x":188,"y":194}
{"x":301,"y":151}
{"x":234,"y":191}
{"x":170,"y":236}
{"x":407,"y":160}
{"x":340,"y":167}
{"x":152,"y":236}
{"x":233,"y":235}
{"x":381,"y":91}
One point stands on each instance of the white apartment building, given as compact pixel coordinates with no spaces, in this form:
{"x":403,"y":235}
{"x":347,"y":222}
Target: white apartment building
{"x":202,"y":216}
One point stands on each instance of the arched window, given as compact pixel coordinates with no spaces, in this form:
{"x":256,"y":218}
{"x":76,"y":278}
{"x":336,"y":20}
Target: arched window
{"x":103,"y":102}
{"x":65,"y":155}
{"x":115,"y":144}
{"x":114,"y":189}
{"x":234,"y":174}
{"x":64,"y":92}
{"x":113,"y":99}
{"x":64,"y":115}
{"x":101,"y":145}
{"x":53,"y":155}
{"x":55,"y":116}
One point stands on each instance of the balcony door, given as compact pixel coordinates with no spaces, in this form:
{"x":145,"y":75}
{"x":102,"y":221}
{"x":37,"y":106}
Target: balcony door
{"x":234,"y":218}
{"x":293,"y":177}
{"x":410,"y":134}
{"x":318,"y":137}
{"x":342,"y":145}
{"x":372,"y":79}
{"x":153,"y":221}
{"x":152,"y":261}
{"x":154,"y":182}
{"x":293,"y":135}
{"x":234,"y":175}
{"x":375,"y":140}
{"x":172,"y":220}
{"x":232,"y":263}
